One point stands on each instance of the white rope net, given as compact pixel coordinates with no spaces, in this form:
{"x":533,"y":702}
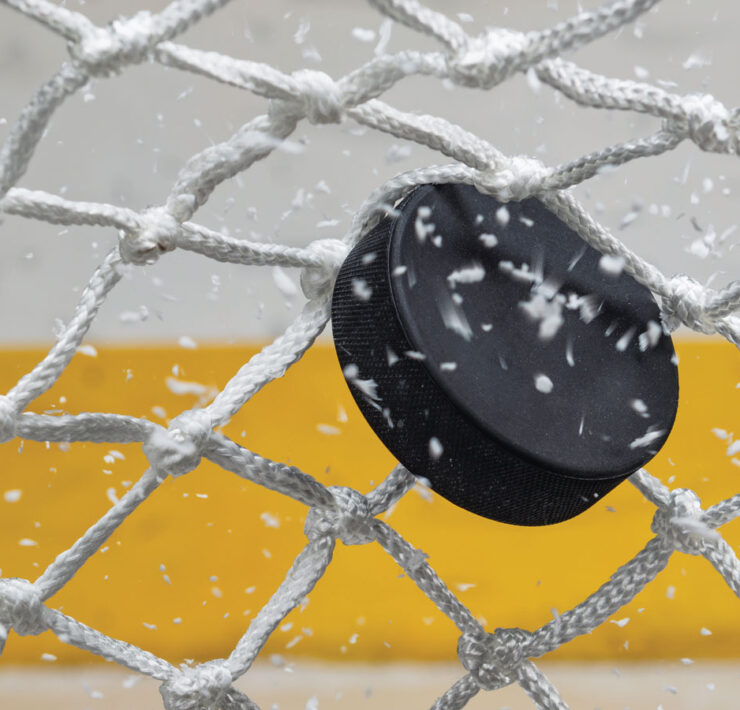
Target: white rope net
{"x":491,"y":659}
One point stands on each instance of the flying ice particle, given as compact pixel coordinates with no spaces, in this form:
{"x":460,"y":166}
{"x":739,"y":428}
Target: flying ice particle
{"x":368,"y":387}
{"x":455,"y":319}
{"x":423,"y":228}
{"x":361,"y":290}
{"x":543,"y":383}
{"x":611,"y":265}
{"x":502,"y":215}
{"x":435,"y":448}
{"x":13,"y":495}
{"x":640,"y":407}
{"x":185,"y":341}
{"x":466,"y":275}
{"x":363,"y":34}
{"x":648,"y":438}
{"x":270,"y":520}
{"x":650,"y":338}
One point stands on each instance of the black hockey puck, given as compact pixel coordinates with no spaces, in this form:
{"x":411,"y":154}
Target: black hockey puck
{"x":500,"y":357}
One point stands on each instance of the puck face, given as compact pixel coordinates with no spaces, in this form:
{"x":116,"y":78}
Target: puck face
{"x":531,"y":332}
{"x":499,"y":356}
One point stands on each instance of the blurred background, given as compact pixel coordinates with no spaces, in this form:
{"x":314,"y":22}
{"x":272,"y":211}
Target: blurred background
{"x":186,"y":573}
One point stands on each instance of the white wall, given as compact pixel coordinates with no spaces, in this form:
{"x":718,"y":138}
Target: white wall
{"x":124,"y":139}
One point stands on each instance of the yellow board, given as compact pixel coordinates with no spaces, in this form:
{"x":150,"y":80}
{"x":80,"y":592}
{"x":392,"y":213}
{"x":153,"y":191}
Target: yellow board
{"x":184,"y":575}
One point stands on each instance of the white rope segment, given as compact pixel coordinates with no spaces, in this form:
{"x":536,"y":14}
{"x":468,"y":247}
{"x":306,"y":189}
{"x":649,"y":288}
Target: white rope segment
{"x":490,"y":659}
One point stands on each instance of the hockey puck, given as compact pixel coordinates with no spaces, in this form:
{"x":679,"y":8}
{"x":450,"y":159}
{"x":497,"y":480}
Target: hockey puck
{"x":502,"y":358}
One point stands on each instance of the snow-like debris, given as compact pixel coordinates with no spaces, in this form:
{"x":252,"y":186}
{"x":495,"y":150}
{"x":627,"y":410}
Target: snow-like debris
{"x":138,"y":316}
{"x":435,"y":448}
{"x":611,"y":265}
{"x":324,"y":223}
{"x":648,"y":438}
{"x":415,"y":355}
{"x":204,"y":393}
{"x":576,"y":258}
{"x":543,"y":383}
{"x":502,"y":215}
{"x":549,"y":313}
{"x":423,"y":228}
{"x":185,"y":341}
{"x":489,"y":240}
{"x":569,"y":353}
{"x":302,"y":32}
{"x":448,"y":366}
{"x":397,"y":153}
{"x":88,"y":350}
{"x":368,"y":387}
{"x":363,"y":34}
{"x":361,"y":290}
{"x":640,"y":407}
{"x":522,"y":274}
{"x":391,"y":356}
{"x":328,"y":429}
{"x":699,"y":248}
{"x":650,"y":338}
{"x":466,"y":275}
{"x":625,"y":340}
{"x":697,"y":60}
{"x":455,"y":319}
{"x":13,"y":495}
{"x":270,"y":520}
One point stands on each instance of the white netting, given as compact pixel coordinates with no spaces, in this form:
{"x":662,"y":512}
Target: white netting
{"x":491,"y":660}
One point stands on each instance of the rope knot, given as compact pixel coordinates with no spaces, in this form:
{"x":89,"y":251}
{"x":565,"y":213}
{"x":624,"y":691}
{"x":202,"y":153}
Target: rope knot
{"x":686,"y":304}
{"x":493,"y":659}
{"x":203,"y":687}
{"x":126,"y":40}
{"x":515,"y":178}
{"x":709,"y":123}
{"x":317,"y":97}
{"x":681,"y":523}
{"x":21,"y":607}
{"x":486,"y":60}
{"x":349,"y":518}
{"x":177,"y":450}
{"x":318,"y":280}
{"x":8,"y":417}
{"x":156,"y":235}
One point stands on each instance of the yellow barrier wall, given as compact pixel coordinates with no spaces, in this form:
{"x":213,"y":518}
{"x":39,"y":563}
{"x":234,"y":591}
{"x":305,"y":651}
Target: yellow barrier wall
{"x":185,"y":574}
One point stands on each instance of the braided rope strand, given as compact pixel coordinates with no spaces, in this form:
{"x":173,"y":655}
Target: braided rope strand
{"x":491,"y":659}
